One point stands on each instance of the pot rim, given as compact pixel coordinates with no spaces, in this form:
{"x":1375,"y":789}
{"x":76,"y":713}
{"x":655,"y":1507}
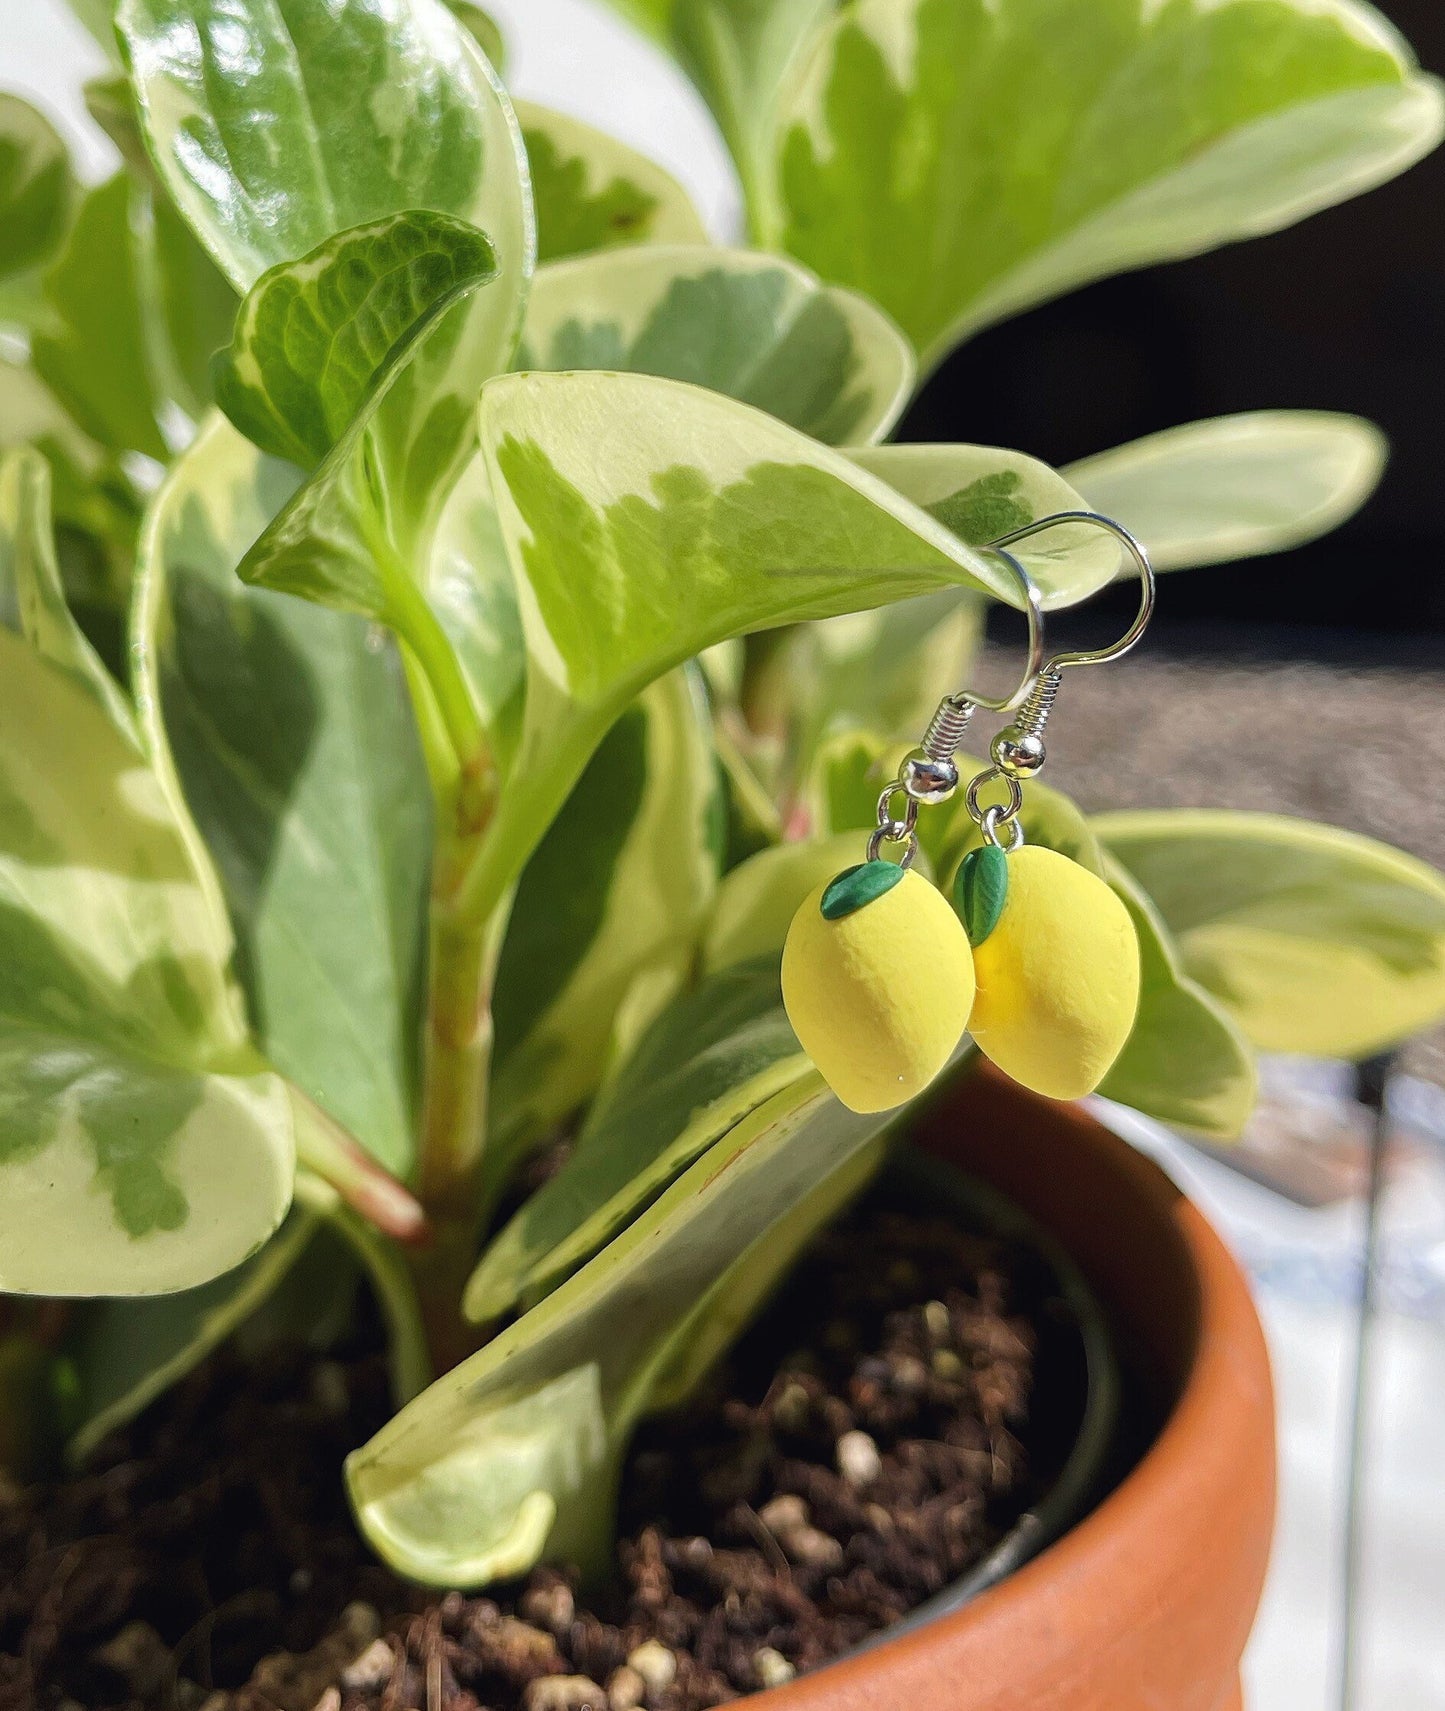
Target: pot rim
{"x":1171,"y":1562}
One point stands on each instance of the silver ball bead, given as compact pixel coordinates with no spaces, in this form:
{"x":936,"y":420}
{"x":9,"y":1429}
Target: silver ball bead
{"x":1016,"y":754}
{"x":928,"y":780}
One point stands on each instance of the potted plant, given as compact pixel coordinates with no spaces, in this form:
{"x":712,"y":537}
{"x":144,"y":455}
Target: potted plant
{"x":450,"y":613}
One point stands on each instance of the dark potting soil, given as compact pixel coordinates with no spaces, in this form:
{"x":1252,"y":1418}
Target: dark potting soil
{"x":912,"y":1391}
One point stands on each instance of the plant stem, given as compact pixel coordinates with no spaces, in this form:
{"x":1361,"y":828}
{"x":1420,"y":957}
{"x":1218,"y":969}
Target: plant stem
{"x":417,"y":625}
{"x":457,"y":1054}
{"x":457,"y":1060}
{"x":458,"y":1040}
{"x":338,"y":1158}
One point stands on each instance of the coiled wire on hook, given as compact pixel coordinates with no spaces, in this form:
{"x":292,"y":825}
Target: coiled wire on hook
{"x":930,"y":775}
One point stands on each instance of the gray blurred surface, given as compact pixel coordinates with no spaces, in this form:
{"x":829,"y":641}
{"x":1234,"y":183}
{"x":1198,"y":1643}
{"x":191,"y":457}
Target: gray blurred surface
{"x":1355,"y":746}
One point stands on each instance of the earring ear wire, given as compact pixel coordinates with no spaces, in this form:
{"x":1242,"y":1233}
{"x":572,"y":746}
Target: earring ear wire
{"x":1096,"y":520}
{"x":930,"y":774}
{"x":1018,"y":750}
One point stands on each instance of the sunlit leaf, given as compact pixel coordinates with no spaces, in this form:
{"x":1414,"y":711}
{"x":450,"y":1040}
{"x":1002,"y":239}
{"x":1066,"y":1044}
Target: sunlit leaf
{"x":645,"y":521}
{"x":143,"y":1146}
{"x":517,"y":1451}
{"x":268,"y":168}
{"x":314,"y":335}
{"x":1186,"y":1062}
{"x":1028,"y":146}
{"x":1314,"y":940}
{"x":121,"y":1355}
{"x":757,"y":900}
{"x":1236,"y":486}
{"x":740,"y":54}
{"x":593,"y":192}
{"x":757,"y":327}
{"x":338,"y":119}
{"x":713,"y":1056}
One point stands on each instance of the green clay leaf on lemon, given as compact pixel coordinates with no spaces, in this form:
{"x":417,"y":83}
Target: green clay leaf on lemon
{"x":980,"y":891}
{"x":857,"y":886}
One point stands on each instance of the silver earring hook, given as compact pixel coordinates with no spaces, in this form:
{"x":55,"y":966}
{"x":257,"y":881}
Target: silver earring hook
{"x":1018,"y":750}
{"x":930,"y":774}
{"x":1033,"y":609}
{"x":1094,"y":519}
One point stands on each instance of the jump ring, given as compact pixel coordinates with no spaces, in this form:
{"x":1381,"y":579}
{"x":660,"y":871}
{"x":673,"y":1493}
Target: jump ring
{"x":995,"y":817}
{"x":1006,"y":811}
{"x":894,"y":832}
{"x":885,"y":811}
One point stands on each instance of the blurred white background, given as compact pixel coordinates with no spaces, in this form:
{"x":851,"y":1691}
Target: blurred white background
{"x":574,"y":56}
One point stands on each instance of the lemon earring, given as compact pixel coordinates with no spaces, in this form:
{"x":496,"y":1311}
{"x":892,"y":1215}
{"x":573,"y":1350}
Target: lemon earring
{"x":1037,"y":959}
{"x":1055,"y":953}
{"x":878,"y":977}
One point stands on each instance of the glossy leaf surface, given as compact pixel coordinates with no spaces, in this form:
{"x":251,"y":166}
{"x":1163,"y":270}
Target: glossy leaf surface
{"x":1029,"y":146}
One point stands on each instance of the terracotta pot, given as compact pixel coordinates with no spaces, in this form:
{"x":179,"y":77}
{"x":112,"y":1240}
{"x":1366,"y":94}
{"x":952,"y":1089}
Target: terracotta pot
{"x":1147,"y":1603}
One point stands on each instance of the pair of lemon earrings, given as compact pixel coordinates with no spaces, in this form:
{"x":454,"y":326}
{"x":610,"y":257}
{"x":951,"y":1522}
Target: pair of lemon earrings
{"x":1034,"y":955}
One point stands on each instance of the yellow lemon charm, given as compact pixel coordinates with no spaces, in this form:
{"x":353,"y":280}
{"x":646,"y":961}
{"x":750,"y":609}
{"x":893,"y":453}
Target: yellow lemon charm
{"x":1056,"y":959}
{"x":878,"y":983}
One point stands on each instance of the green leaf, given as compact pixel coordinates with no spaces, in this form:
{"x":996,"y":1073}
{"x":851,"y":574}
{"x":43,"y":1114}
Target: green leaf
{"x":757,"y":327}
{"x":617,"y":889}
{"x":346,"y":118}
{"x":97,"y":509}
{"x":518,"y":1450}
{"x":350,"y":118}
{"x":593,"y":192}
{"x":341,"y":118}
{"x":483,"y":28}
{"x":196,"y":302}
{"x":1210,"y":492}
{"x":142,"y":1146}
{"x":294,"y":743}
{"x":851,"y":769}
{"x":884,"y":670}
{"x":1186,"y":1062}
{"x":646,"y":520}
{"x":109,"y":101}
{"x":979,"y":493}
{"x":314,"y":335}
{"x":980,"y":889}
{"x":739,"y":53}
{"x":1314,"y":940}
{"x":36,"y":188}
{"x":714,"y":1055}
{"x":1027,"y":147}
{"x":757,"y":900}
{"x":468,"y":585}
{"x":858,"y":886}
{"x":93,"y":352}
{"x":32,"y":600}
{"x":121,"y":1355}
{"x":98,"y":16}
{"x":847,"y":774}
